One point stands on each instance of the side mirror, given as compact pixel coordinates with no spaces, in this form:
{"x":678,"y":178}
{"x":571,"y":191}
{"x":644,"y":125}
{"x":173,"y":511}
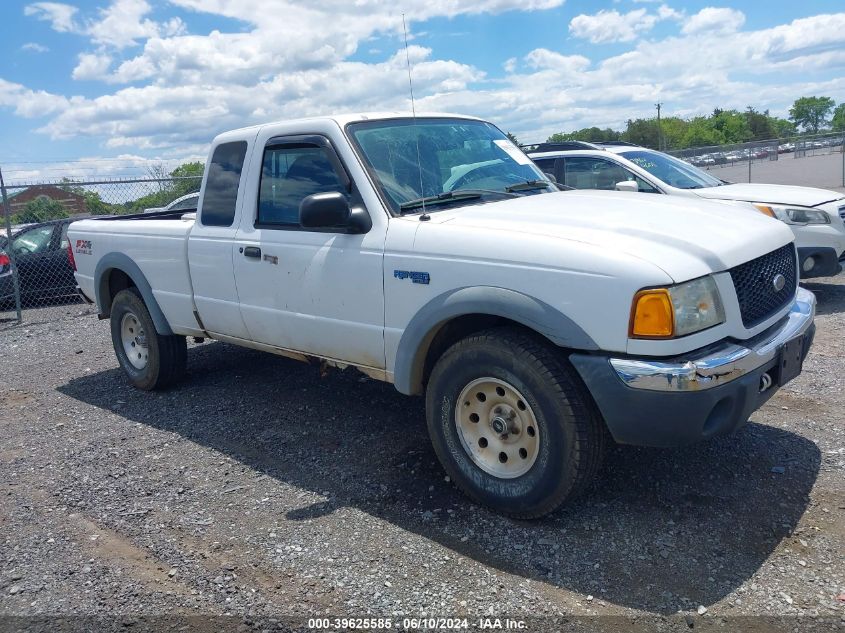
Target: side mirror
{"x":331,"y":210}
{"x":324,"y":210}
{"x":627,"y":185}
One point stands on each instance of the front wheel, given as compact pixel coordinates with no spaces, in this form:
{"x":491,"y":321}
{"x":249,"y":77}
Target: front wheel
{"x":149,"y":359}
{"x":512,"y":424}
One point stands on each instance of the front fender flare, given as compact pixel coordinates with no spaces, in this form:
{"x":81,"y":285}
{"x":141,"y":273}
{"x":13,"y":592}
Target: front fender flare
{"x":122,"y":262}
{"x":488,"y":300}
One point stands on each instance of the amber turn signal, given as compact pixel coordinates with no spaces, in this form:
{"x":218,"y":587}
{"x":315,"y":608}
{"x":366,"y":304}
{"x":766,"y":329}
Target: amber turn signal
{"x":766,"y":210}
{"x":653,"y":315}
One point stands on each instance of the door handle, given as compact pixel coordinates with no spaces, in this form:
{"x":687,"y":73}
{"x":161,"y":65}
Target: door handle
{"x":252,"y":251}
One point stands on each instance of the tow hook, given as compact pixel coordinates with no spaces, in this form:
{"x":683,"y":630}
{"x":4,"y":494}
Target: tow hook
{"x":765,"y":382}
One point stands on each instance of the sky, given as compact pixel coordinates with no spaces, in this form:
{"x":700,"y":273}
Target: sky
{"x":96,"y":86}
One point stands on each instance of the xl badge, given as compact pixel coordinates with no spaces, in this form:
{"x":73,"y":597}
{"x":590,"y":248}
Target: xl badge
{"x":778,"y":282}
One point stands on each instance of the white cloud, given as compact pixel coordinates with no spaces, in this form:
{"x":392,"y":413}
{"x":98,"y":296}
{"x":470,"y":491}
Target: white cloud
{"x":159,"y":116}
{"x":612,"y":26}
{"x":35,"y":47}
{"x":292,"y":59}
{"x":28,"y":103}
{"x":59,"y":15}
{"x":91,"y":66}
{"x":123,"y":23}
{"x":544,"y":59}
{"x":714,"y":20}
{"x":119,"y":25}
{"x":665,"y":12}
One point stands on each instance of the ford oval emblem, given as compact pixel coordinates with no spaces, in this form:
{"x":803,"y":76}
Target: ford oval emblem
{"x":778,"y":282}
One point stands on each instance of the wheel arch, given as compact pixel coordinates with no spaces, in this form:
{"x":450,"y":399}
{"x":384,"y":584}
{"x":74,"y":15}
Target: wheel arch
{"x":116,"y":272}
{"x":455,"y":314}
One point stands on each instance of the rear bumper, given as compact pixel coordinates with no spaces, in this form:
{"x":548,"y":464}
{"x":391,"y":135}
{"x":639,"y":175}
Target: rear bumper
{"x":824,"y":263}
{"x":673,"y":402}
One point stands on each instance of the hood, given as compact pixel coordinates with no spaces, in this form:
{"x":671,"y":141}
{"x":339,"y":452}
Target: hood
{"x":772,"y":194}
{"x":685,"y":237}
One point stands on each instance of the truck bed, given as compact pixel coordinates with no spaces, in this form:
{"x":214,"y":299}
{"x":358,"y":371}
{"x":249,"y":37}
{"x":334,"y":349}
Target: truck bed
{"x":156,"y":242}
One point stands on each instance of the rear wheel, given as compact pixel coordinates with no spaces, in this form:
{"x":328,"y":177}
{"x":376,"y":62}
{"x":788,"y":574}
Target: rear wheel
{"x":512,"y":424}
{"x":149,"y":359}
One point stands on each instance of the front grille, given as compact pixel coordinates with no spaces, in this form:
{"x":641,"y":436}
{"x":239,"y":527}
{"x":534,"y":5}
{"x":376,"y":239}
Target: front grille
{"x":754,"y":283}
{"x":842,"y":213}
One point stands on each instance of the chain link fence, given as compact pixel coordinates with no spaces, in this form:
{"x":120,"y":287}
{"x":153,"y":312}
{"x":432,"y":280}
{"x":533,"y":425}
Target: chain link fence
{"x":36,"y":269}
{"x":772,"y":161}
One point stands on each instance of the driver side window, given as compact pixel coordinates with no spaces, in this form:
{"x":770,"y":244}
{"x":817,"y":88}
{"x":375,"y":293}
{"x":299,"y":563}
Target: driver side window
{"x":289,"y":174}
{"x":34,"y":241}
{"x":597,"y":173}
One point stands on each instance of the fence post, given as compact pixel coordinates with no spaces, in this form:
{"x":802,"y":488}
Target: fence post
{"x":7,"y":212}
{"x":750,"y":160}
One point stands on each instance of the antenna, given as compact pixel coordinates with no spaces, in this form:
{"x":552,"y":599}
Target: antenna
{"x":424,"y":216}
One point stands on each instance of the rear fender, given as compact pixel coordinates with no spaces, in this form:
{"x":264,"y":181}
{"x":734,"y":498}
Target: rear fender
{"x":121,"y":262}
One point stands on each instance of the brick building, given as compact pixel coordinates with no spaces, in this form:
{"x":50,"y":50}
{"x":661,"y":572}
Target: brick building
{"x":73,"y":203}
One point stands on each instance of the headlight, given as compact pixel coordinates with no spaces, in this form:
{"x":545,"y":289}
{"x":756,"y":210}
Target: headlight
{"x":794,"y":215}
{"x":677,"y":310}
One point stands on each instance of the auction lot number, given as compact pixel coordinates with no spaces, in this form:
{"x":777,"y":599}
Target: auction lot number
{"x":408,"y":624}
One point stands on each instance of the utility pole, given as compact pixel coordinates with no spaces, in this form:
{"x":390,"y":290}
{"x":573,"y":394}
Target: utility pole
{"x":659,"y":130}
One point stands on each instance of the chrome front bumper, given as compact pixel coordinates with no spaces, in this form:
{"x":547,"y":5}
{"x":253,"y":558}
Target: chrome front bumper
{"x":723,"y":365}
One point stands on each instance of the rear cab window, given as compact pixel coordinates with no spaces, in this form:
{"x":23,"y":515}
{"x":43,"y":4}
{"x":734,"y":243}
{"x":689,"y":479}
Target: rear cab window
{"x":222,"y":183}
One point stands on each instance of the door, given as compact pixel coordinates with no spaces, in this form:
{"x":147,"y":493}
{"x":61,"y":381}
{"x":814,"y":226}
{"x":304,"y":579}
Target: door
{"x":584,"y":172}
{"x":33,"y":258}
{"x":314,"y":291}
{"x":211,"y":243}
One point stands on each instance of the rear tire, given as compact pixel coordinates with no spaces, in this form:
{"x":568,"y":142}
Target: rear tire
{"x":149,"y":359}
{"x":512,"y":424}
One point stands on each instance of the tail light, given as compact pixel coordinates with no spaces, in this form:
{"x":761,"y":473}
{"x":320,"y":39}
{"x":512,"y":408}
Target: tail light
{"x":70,"y":256}
{"x":5,"y":262}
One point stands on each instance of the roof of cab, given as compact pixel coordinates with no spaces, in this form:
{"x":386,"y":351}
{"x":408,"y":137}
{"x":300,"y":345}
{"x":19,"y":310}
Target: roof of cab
{"x":342,"y":120}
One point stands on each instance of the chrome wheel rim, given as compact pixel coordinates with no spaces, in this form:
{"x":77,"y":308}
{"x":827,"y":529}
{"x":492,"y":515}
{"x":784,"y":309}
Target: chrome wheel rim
{"x":497,"y":428}
{"x":134,"y":341}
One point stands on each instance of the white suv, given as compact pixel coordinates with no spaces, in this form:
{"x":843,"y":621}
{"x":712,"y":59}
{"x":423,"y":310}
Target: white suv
{"x":814,"y":215}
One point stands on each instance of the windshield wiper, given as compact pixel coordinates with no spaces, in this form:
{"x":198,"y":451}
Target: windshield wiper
{"x":528,"y":185}
{"x":458,"y":195}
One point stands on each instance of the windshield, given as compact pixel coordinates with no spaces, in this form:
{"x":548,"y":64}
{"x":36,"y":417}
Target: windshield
{"x":414,"y":162}
{"x":672,"y":171}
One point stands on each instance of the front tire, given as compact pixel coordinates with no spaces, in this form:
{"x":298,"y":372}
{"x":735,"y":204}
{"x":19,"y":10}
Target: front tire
{"x":512,"y":424}
{"x":149,"y":359}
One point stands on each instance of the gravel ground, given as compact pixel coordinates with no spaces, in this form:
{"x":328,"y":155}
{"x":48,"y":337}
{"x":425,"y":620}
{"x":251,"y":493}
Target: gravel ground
{"x":258,"y":488}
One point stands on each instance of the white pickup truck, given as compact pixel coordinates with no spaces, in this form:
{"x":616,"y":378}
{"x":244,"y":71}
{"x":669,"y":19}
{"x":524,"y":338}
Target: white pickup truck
{"x":431,"y":253}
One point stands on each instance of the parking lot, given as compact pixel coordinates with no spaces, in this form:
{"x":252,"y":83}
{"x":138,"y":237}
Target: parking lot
{"x":826,"y":171}
{"x":259,"y":488}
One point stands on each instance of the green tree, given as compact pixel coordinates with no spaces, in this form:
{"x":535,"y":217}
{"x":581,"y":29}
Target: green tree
{"x":701,"y":132}
{"x":760,"y":124}
{"x":642,"y":132}
{"x":783,"y":127}
{"x":673,"y":130}
{"x":94,"y":204}
{"x":732,"y":125}
{"x":589,"y":134}
{"x":40,"y":210}
{"x":186,"y":178}
{"x":811,"y":113}
{"x":838,"y":120}
{"x":513,"y":139}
